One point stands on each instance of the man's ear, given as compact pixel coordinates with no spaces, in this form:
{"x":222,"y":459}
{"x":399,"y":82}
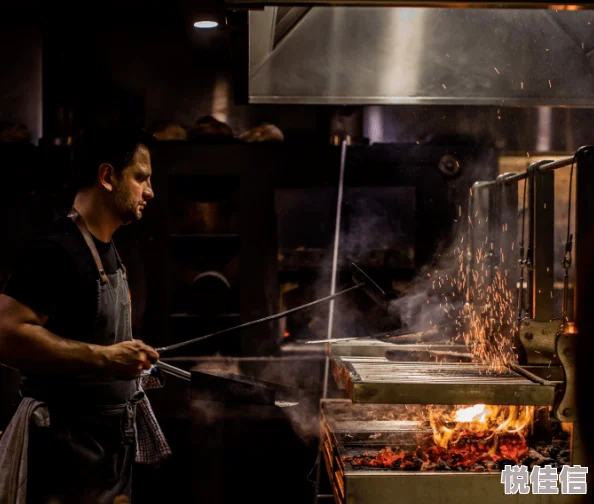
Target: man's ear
{"x":106,"y":174}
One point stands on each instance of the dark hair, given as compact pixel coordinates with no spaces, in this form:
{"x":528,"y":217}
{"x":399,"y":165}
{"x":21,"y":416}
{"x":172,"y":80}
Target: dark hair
{"x":115,"y":146}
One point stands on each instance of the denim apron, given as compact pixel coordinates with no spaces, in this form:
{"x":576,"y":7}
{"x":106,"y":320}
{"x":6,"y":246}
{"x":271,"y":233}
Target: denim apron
{"x":85,"y":455}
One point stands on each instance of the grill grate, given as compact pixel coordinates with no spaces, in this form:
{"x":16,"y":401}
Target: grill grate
{"x":404,"y":372}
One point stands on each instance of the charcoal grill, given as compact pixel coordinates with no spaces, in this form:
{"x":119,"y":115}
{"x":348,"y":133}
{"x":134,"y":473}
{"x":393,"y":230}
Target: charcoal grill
{"x":370,"y":377}
{"x":346,"y":433}
{"x":377,"y":380}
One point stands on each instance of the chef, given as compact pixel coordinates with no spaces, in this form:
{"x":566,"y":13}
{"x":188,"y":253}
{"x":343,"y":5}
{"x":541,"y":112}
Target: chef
{"x":65,"y":324}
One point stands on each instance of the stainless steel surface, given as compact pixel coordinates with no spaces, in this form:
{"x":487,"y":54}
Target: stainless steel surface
{"x":376,"y":348}
{"x":421,"y":487}
{"x":376,"y":380}
{"x":366,"y":56}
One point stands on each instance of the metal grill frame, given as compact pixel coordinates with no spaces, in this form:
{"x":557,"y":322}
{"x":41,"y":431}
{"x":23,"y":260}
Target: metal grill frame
{"x":514,"y":389}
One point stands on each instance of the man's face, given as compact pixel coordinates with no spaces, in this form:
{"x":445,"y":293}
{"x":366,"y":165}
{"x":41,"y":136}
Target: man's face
{"x":133,"y":190}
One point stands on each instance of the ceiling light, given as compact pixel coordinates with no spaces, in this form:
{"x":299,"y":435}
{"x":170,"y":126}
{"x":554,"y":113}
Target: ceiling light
{"x":205,"y":24}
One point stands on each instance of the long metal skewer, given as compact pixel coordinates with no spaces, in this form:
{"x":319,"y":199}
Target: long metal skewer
{"x":259,"y":321}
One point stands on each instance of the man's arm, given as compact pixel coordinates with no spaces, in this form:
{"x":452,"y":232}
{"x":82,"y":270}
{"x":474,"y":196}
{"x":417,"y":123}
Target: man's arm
{"x":27,"y":346}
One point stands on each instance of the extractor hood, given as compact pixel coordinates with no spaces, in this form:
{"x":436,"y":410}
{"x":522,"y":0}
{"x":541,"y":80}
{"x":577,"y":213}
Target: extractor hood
{"x":354,"y":55}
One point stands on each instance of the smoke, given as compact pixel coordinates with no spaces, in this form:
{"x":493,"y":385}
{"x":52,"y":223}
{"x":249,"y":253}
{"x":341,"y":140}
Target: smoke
{"x":433,"y":299}
{"x":206,"y":410}
{"x":301,"y":375}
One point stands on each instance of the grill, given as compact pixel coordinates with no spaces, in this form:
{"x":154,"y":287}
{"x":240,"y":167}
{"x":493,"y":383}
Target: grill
{"x":384,"y":442}
{"x":348,"y":432}
{"x":376,"y":380}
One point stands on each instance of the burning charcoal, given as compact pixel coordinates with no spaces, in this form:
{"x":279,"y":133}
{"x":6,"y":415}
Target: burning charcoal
{"x":554,"y":452}
{"x":442,"y":466}
{"x":417,"y":464}
{"x":490,"y":465}
{"x":428,"y":466}
{"x":535,"y":455}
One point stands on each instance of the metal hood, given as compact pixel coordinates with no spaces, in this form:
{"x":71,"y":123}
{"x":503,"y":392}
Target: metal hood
{"x":421,"y":55}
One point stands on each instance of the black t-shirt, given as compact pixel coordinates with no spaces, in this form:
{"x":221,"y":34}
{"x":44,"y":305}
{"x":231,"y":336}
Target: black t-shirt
{"x":56,"y":275}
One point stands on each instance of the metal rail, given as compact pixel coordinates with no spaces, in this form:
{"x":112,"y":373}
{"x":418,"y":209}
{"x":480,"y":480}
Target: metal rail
{"x":516,"y":177}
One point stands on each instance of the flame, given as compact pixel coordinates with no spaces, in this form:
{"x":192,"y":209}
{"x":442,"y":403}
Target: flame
{"x":471,"y":414}
{"x":489,"y":422}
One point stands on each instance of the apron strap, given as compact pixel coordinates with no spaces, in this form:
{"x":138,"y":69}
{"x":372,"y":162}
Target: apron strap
{"x":119,"y":259}
{"x":78,"y":220}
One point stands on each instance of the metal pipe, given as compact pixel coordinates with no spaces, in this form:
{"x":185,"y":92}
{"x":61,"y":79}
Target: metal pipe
{"x":528,"y":374}
{"x":560,"y":163}
{"x":335,"y":257}
{"x":516,"y":177}
{"x":332,"y":287}
{"x":336,"y":236}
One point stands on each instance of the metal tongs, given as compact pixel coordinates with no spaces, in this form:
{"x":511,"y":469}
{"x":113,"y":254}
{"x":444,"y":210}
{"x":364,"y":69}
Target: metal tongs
{"x":359,"y":277}
{"x":172,"y":370}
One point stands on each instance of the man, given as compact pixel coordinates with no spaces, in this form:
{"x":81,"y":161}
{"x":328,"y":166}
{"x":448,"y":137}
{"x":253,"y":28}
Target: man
{"x":65,"y":325}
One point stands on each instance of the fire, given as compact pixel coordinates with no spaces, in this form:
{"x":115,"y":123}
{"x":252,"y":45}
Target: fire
{"x":475,"y":438}
{"x":487,"y":422}
{"x":473,"y":413}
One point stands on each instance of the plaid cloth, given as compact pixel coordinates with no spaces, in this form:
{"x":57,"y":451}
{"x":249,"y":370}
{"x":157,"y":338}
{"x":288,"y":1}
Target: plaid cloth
{"x":14,"y":445}
{"x":151,"y":445}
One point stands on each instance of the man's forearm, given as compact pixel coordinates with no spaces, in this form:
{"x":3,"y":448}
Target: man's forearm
{"x":33,"y":349}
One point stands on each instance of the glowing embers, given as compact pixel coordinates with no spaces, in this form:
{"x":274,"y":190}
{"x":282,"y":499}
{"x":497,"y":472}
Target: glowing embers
{"x":475,"y":438}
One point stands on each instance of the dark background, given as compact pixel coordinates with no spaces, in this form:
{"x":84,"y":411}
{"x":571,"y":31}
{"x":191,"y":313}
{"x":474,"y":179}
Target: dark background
{"x":138,"y":63}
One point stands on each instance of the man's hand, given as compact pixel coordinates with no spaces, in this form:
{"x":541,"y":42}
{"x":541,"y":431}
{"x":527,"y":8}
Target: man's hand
{"x":127,"y":359}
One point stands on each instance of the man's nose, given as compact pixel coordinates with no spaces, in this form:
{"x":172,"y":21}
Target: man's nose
{"x":148,"y":193}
